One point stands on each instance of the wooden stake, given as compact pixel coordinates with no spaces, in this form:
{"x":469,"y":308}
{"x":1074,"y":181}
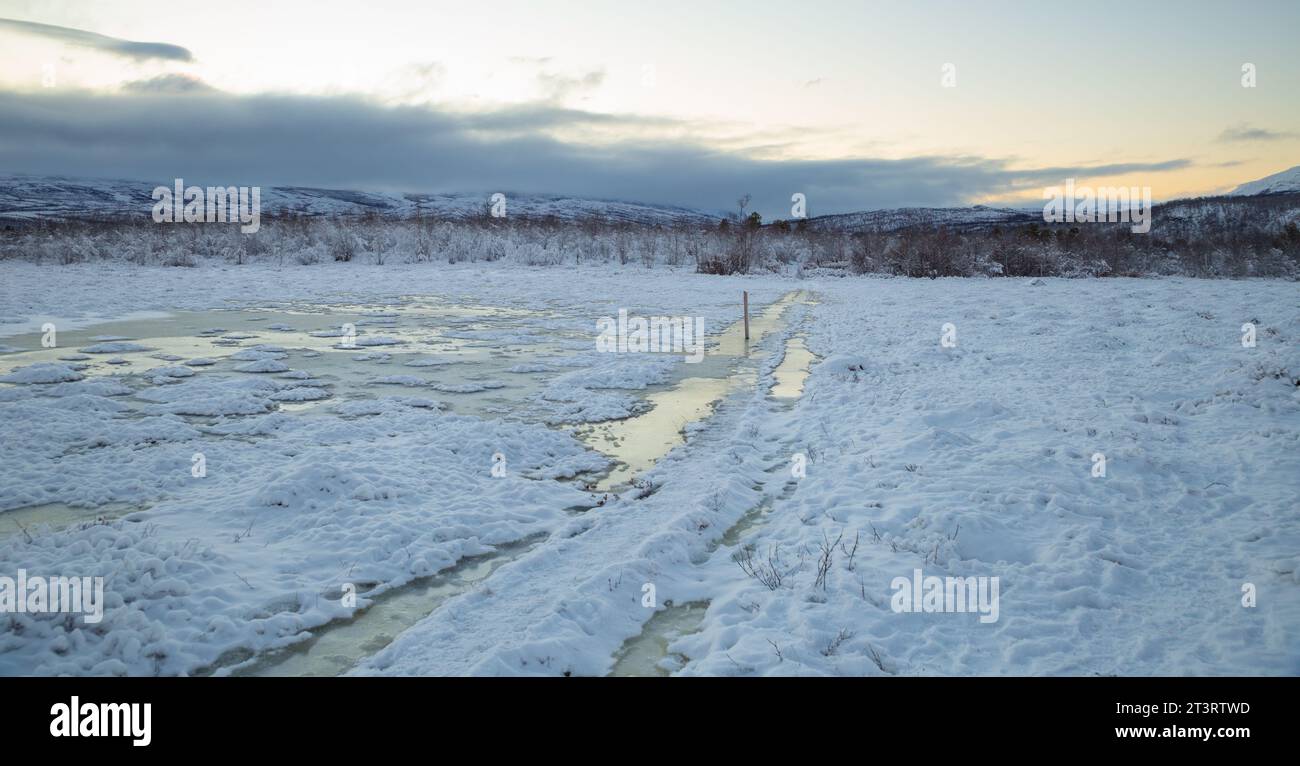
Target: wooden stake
{"x":745,"y":293}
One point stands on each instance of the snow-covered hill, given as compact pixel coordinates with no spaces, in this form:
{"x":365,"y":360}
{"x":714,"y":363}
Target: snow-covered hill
{"x":1278,"y":183}
{"x":26,"y":197}
{"x":30,"y":197}
{"x":908,"y":217}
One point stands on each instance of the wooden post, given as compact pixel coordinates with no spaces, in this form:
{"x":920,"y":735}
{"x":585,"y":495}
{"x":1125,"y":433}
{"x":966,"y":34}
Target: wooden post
{"x":745,"y":293}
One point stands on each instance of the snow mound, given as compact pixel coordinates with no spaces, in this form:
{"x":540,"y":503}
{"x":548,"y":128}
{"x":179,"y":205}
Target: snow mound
{"x":170,"y":372}
{"x":263,"y":366}
{"x":301,"y":394}
{"x":212,"y":397}
{"x":844,"y":366}
{"x":44,"y":372}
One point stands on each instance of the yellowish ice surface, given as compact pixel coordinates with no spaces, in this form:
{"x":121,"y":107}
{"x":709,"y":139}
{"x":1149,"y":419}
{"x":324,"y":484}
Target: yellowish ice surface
{"x":793,"y":371}
{"x":639,"y":441}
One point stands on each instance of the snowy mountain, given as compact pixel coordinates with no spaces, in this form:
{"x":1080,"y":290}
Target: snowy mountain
{"x":1278,"y":183}
{"x":31,"y":198}
{"x":25,"y":197}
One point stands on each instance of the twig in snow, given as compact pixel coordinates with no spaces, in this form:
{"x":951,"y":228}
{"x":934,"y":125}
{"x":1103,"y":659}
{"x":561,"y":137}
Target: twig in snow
{"x":850,"y":553}
{"x":772,"y":573}
{"x":826,"y":558}
{"x":834,"y":645}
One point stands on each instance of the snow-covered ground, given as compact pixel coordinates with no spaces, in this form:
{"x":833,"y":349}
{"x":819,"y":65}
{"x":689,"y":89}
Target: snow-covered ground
{"x":373,"y":467}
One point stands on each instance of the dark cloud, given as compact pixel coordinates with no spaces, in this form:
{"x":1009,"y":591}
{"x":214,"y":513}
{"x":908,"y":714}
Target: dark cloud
{"x":547,"y":116}
{"x":1247,"y":133}
{"x":1112,"y":169}
{"x":113,"y":45}
{"x":350,"y":142}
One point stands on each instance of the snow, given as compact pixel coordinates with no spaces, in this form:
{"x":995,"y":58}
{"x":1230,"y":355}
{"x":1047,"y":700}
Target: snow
{"x":378,"y":340}
{"x":368,"y":407}
{"x":971,"y":461}
{"x":114,"y":347}
{"x":301,"y":394}
{"x":213,"y":397}
{"x":189,"y":580}
{"x":1278,"y":183}
{"x":400,"y":380}
{"x":426,"y":361}
{"x":902,"y":218}
{"x":170,"y":372}
{"x":263,"y":365}
{"x":467,"y":388}
{"x":42,"y":373}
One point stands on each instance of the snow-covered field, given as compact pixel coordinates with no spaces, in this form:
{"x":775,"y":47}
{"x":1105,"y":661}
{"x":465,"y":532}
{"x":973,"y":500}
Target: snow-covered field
{"x":372,"y":467}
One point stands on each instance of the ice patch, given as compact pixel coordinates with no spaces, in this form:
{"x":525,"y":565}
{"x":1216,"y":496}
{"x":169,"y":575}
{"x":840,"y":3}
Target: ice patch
{"x":115,"y":347}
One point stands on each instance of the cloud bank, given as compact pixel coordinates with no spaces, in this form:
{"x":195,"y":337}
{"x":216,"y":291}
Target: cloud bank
{"x":176,"y":128}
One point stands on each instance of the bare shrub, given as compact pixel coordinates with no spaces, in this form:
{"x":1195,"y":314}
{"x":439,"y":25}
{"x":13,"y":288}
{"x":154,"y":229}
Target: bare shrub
{"x":771,"y":573}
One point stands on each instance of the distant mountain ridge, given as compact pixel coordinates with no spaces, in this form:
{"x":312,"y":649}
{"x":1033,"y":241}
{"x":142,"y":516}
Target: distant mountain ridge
{"x":29,"y":198}
{"x":32,"y":198}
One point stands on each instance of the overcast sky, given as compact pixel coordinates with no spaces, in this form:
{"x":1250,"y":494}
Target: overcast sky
{"x":669,"y":102}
